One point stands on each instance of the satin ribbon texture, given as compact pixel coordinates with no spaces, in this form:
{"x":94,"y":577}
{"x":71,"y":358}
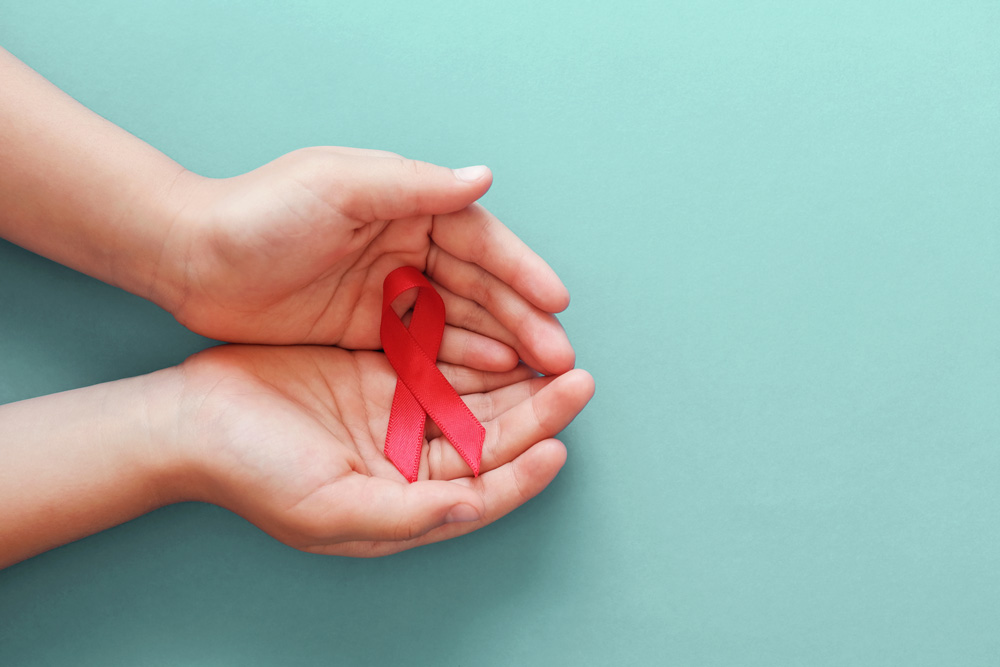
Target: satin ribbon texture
{"x":421,"y":390}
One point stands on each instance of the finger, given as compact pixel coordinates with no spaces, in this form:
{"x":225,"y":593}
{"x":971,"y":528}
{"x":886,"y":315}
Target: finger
{"x":471,"y":381}
{"x":475,"y":235}
{"x":468,"y":314}
{"x":467,"y":348}
{"x":490,"y":345}
{"x":381,"y":188}
{"x":487,"y":406}
{"x":539,"y":416}
{"x":361,"y":152}
{"x":360,"y":507}
{"x":502,"y":491}
{"x":541,"y":340}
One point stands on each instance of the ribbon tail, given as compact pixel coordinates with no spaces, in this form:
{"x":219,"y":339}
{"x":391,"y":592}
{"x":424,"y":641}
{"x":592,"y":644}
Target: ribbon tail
{"x":405,"y":436}
{"x":466,"y":436}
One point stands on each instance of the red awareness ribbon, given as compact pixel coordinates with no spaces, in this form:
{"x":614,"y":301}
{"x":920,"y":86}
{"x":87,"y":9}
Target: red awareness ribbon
{"x":421,"y":389}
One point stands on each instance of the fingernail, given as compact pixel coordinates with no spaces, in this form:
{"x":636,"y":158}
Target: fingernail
{"x":470,"y":174}
{"x":462,"y":512}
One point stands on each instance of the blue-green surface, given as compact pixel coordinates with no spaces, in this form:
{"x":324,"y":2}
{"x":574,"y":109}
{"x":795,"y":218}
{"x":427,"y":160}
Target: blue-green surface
{"x":780,"y":223}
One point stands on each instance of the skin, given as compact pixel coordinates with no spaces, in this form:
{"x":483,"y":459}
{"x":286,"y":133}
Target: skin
{"x":292,"y":254}
{"x":288,"y":437}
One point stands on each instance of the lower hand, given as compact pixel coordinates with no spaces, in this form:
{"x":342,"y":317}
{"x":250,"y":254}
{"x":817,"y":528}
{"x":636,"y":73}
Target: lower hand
{"x":291,"y":439}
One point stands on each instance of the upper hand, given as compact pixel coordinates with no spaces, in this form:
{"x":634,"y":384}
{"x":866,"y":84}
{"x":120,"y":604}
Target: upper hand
{"x":296,"y":251}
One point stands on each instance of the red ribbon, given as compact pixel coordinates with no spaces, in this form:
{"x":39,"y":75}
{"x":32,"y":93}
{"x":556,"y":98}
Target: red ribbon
{"x":421,"y":389}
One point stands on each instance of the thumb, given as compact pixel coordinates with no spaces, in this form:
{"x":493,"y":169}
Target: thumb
{"x":386,"y":188}
{"x":382,"y":510}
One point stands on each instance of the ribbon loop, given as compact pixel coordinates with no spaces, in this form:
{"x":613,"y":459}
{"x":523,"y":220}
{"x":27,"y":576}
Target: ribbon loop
{"x":421,"y":389}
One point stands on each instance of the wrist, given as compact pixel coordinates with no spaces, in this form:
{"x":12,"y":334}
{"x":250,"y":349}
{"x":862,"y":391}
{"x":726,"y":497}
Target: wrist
{"x":162,"y":454}
{"x":80,"y":461}
{"x":163,"y":274}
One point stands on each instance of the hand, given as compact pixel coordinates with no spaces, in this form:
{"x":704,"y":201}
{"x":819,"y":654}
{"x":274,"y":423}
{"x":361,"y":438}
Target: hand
{"x":293,"y":252}
{"x":296,"y":252}
{"x":291,"y":438}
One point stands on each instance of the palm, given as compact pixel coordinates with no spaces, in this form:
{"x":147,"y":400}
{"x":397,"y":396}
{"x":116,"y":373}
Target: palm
{"x":292,"y":439}
{"x":298,"y":270}
{"x":296,"y":252}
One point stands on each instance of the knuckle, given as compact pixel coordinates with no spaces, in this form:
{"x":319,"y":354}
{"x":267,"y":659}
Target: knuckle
{"x":405,"y":529}
{"x":480,"y":285}
{"x":435,"y":460}
{"x":492,"y":444}
{"x":539,"y":415}
{"x":481,"y":245}
{"x":409,"y":167}
{"x":519,"y":488}
{"x":475,"y":318}
{"x":490,"y":411}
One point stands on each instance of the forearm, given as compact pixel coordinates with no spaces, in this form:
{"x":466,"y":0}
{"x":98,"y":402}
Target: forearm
{"x":77,"y":462}
{"x":80,"y":190}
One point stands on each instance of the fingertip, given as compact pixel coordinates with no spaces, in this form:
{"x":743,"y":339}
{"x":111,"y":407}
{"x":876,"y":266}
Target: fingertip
{"x":585,"y":382}
{"x":538,"y":466}
{"x":560,"y":357}
{"x":494,"y":356}
{"x":574,"y":389}
{"x":476,"y":180}
{"x":555,"y":451}
{"x":466,"y":348}
{"x":560,"y":300}
{"x":568,"y":359}
{"x":472,"y":174}
{"x":546,"y":291}
{"x":560,"y":402}
{"x":505,"y":361}
{"x":381,"y":188}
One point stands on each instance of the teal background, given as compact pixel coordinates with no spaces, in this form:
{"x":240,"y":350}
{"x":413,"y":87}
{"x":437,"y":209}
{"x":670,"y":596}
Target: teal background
{"x":780,"y":224}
